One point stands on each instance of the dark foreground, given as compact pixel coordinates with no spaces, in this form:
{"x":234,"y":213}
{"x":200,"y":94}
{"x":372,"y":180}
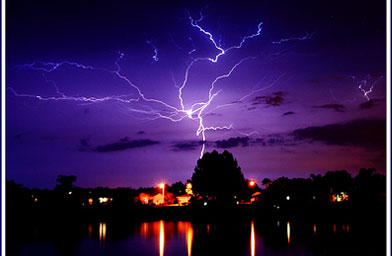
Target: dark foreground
{"x":241,"y":230}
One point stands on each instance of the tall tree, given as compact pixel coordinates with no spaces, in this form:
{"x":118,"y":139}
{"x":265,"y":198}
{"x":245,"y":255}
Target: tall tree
{"x":218,"y":176}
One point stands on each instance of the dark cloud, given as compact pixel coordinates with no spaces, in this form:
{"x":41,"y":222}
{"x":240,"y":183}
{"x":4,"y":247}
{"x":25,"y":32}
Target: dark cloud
{"x":187,"y":145}
{"x":364,"y":133}
{"x":264,"y":141}
{"x":233,"y":142}
{"x":276,"y":99}
{"x":335,"y":107}
{"x":86,"y":111}
{"x":369,"y":104}
{"x":288,"y":113}
{"x":274,"y":140}
{"x":140,"y":132}
{"x":279,"y":93}
{"x":369,"y":134}
{"x":124,"y":144}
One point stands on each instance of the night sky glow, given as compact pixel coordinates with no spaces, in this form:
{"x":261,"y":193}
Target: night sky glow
{"x":125,"y":94}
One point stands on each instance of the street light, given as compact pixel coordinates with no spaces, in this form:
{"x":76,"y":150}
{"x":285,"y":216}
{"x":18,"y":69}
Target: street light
{"x":162,"y":186}
{"x":252,"y":183}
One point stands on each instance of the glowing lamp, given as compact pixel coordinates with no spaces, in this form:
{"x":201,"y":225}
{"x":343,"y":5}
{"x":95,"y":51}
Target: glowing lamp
{"x":188,"y":188}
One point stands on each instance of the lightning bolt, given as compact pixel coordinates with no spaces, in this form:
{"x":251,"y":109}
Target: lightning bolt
{"x":157,"y":109}
{"x":240,"y":100}
{"x":172,"y":113}
{"x":195,"y":23}
{"x":367,"y":92}
{"x":283,"y":40}
{"x":169,"y":112}
{"x":155,"y":56}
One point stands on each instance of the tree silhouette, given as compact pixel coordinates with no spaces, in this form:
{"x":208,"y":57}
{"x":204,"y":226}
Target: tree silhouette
{"x":370,"y":187}
{"x":338,"y":181}
{"x":65,"y":183}
{"x":177,"y":188}
{"x":218,"y":176}
{"x":266,"y":182}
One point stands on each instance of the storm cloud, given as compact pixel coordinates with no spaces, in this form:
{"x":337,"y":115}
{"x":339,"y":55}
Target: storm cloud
{"x":335,"y":107}
{"x":369,"y":104}
{"x":274,"y":100}
{"x":186,"y":145}
{"x":124,"y":144}
{"x":364,"y":133}
{"x":288,"y":113}
{"x":233,"y":142}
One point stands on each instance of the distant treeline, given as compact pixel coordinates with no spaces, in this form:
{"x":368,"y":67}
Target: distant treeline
{"x":334,"y":187}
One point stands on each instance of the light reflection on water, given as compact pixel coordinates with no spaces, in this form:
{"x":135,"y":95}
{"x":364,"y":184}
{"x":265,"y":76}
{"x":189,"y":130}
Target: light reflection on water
{"x":90,"y":230}
{"x":179,"y":236}
{"x":102,"y":232}
{"x":161,"y":238}
{"x":252,"y":239}
{"x":184,"y":228}
{"x":242,"y":237}
{"x":288,"y":232}
{"x":160,"y":230}
{"x":189,"y":238}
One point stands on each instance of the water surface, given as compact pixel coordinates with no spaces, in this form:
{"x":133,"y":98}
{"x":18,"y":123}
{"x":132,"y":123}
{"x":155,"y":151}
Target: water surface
{"x":229,"y":237}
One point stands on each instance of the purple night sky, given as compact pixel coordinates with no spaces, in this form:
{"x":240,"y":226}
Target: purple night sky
{"x":307,"y":96}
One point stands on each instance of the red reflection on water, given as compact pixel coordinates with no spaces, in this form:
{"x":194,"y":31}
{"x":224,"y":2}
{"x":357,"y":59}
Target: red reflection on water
{"x":334,"y":228}
{"x":181,"y":227}
{"x":161,"y":230}
{"x":90,"y":230}
{"x":186,"y":228}
{"x":288,"y":232}
{"x":252,"y":239}
{"x":144,"y":229}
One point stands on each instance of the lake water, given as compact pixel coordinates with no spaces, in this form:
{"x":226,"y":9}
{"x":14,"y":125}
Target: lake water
{"x":227,"y":237}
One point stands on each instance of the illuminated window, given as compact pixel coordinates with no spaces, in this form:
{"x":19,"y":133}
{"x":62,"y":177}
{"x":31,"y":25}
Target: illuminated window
{"x":104,"y":200}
